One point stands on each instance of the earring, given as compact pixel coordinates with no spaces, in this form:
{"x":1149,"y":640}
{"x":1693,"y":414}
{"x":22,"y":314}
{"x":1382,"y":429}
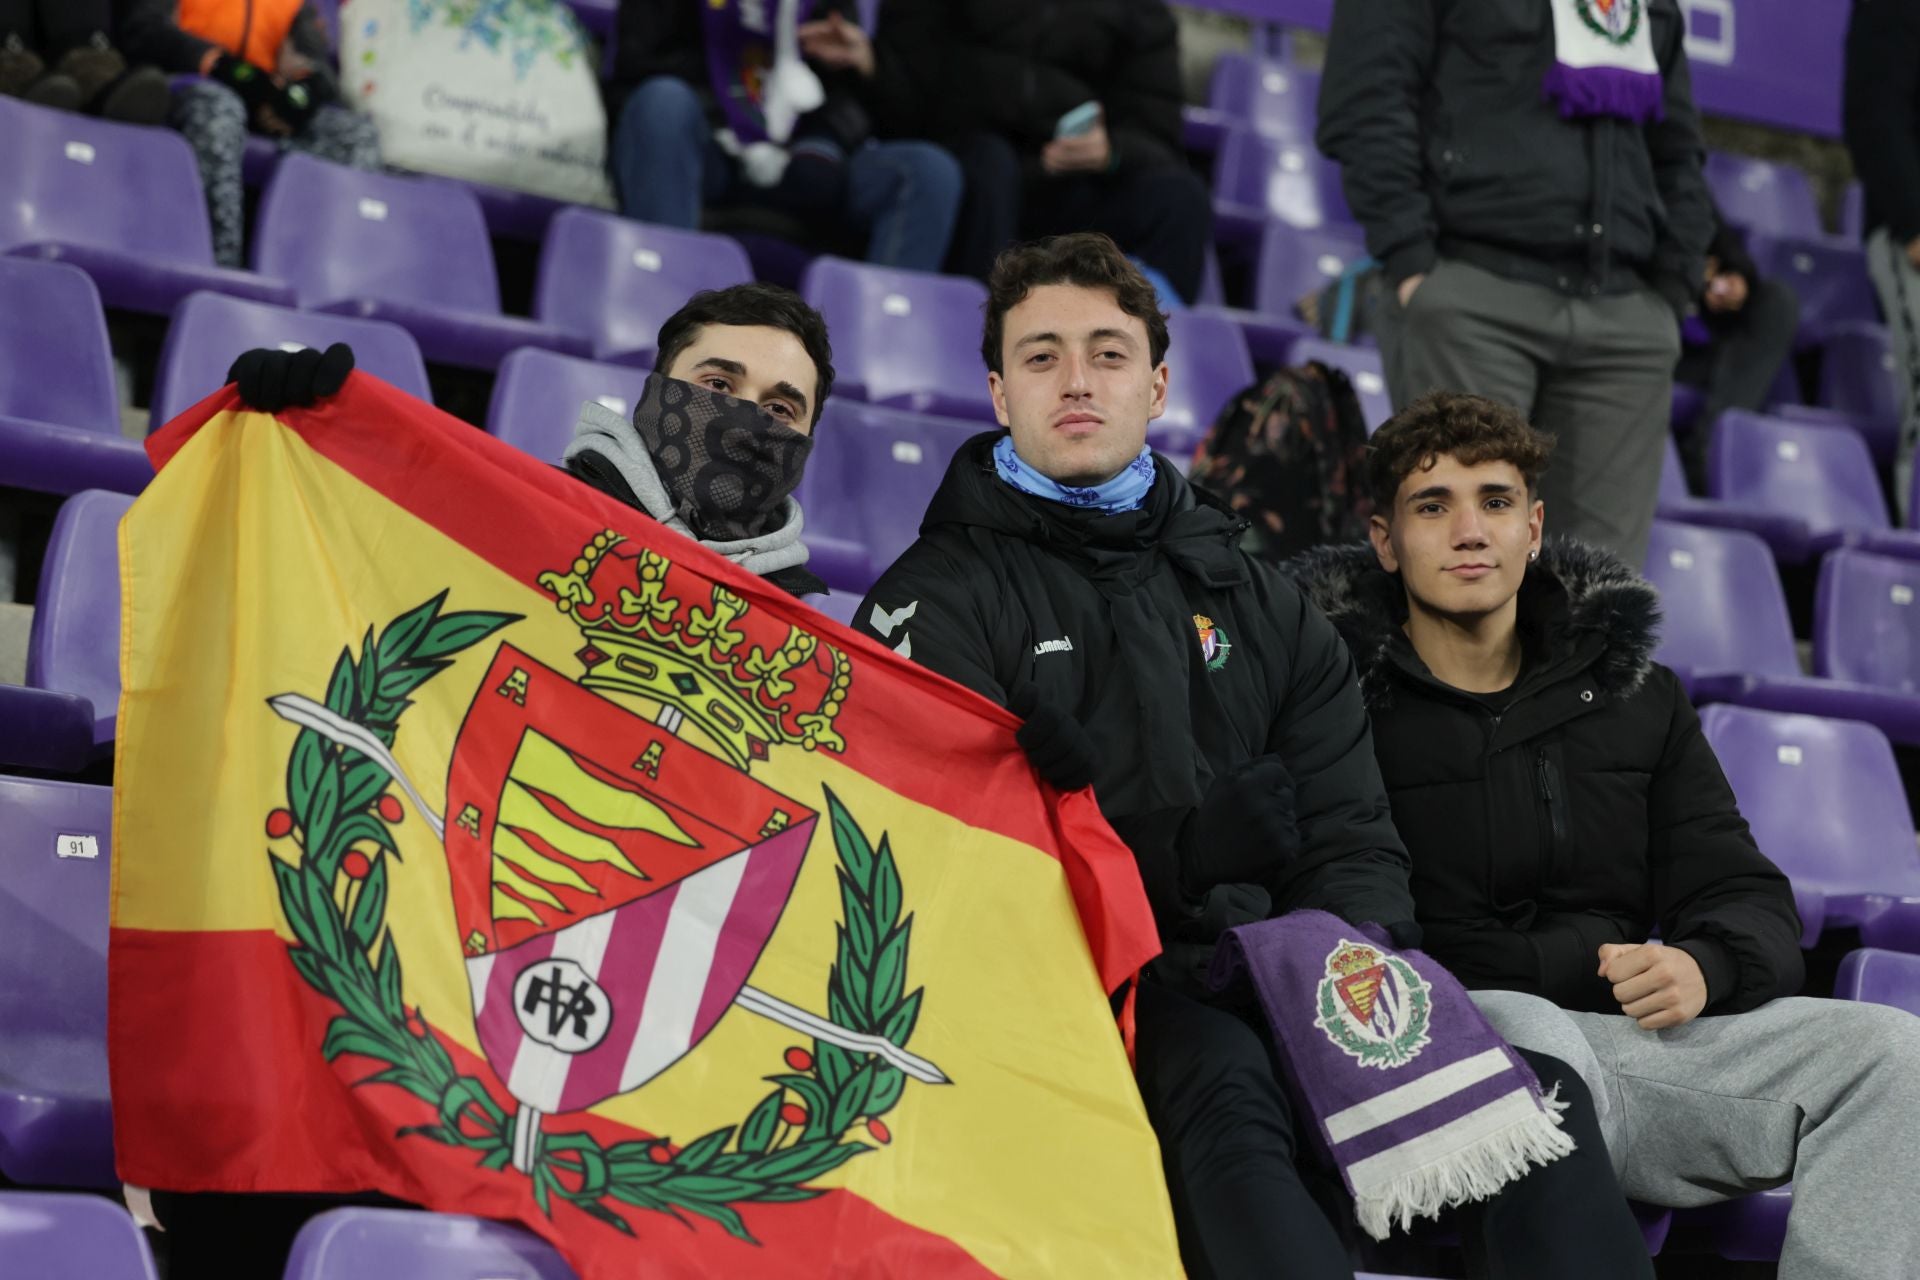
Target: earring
{"x":1532,"y":556}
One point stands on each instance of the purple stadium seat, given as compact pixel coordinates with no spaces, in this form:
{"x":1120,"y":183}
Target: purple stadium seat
{"x":1362,"y":364}
{"x":1820,"y":474}
{"x":53,"y":1235}
{"x":1828,"y":274}
{"x":1750,"y":1229}
{"x":903,"y":338}
{"x":1277,"y":98}
{"x":1867,"y":620}
{"x":862,"y":450}
{"x":1860,"y":377}
{"x":1881,"y":434}
{"x":1788,"y":535}
{"x":614,"y":281}
{"x":1256,"y":178}
{"x":595,"y":15}
{"x":1297,"y":261}
{"x":537,"y":397}
{"x":403,"y":1244}
{"x":839,"y":606}
{"x":56,"y":1125}
{"x":1879,"y":977}
{"x":59,"y":432}
{"x":1853,"y":212}
{"x":1825,"y":802}
{"x":44,"y":731}
{"x":410,"y":250}
{"x":209,"y":330}
{"x":74,"y":647}
{"x":1725,"y":614}
{"x":1776,"y":199}
{"x":121,"y":202}
{"x":1208,"y":365}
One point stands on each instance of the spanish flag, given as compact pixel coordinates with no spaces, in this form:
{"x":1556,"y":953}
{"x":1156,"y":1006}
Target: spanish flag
{"x":481,"y":842}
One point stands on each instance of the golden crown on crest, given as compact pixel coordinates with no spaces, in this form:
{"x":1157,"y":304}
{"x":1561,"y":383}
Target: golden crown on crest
{"x":1353,"y":959}
{"x":670,"y":636}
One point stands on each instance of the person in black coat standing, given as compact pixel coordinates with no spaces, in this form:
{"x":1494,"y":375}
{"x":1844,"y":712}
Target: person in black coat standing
{"x":1065,"y":116}
{"x":1068,"y":573}
{"x":1563,"y":809}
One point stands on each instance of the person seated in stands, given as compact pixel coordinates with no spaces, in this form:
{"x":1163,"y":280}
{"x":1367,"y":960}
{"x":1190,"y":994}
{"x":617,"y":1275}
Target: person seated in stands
{"x":689,"y":100}
{"x":1069,"y":574}
{"x":716,"y":445}
{"x":60,"y":54}
{"x":265,"y":66}
{"x":1579,"y":859}
{"x":1065,"y":115}
{"x":1736,"y":341}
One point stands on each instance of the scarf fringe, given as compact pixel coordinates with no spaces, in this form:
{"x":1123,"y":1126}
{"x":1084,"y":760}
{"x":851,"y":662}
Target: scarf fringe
{"x":1473,"y":1174}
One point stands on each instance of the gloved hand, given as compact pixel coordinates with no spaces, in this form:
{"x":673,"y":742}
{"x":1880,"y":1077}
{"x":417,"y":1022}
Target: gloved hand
{"x":272,"y":107}
{"x":1190,"y":944}
{"x":1242,"y":832}
{"x":270,"y":380}
{"x":1057,"y":745}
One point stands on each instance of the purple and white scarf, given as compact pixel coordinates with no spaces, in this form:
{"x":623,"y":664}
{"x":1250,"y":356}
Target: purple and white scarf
{"x":1603,"y":61}
{"x":1416,"y":1098}
{"x":760,"y":80}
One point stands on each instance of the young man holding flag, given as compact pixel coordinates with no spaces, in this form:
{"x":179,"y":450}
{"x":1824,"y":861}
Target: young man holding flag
{"x":1562,"y":807}
{"x":1066,"y":572}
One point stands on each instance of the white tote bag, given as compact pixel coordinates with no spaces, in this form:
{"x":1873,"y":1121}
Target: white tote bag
{"x":496,"y":91}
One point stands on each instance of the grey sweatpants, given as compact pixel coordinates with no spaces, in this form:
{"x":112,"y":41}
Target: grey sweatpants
{"x":1825,"y":1093}
{"x":1898,"y":285}
{"x":1596,"y":373}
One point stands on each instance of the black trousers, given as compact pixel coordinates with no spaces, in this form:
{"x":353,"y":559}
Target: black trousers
{"x":51,"y":27}
{"x":1738,"y":368}
{"x":1250,"y":1201}
{"x":1163,"y":214}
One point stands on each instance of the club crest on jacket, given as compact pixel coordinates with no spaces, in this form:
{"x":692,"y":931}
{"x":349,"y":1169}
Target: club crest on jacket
{"x":1215,"y":647}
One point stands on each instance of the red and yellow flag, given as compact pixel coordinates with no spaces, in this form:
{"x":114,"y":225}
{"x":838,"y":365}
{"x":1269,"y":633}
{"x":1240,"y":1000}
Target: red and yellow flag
{"x":481,"y":842}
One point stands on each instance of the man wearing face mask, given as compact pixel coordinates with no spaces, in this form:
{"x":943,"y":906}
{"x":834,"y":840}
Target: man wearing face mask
{"x":714,"y":448}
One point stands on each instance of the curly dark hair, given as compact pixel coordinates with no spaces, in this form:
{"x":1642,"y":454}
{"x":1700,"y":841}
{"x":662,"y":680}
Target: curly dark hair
{"x":755,"y":304}
{"x":1473,"y":429}
{"x":1085,"y":258}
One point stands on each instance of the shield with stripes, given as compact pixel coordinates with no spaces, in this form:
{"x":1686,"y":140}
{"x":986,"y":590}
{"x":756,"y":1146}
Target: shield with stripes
{"x":613,"y":885}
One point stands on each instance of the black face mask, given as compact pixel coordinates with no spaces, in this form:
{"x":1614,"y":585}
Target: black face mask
{"x":728,"y":465}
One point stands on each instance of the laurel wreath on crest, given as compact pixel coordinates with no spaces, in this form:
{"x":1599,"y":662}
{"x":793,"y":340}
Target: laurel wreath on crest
{"x":339,"y":811}
{"x":1585,"y":10}
{"x":1379,"y":1053}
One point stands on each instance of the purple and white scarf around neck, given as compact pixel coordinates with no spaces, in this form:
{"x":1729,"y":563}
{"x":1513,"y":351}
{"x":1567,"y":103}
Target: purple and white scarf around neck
{"x":1416,"y":1098}
{"x":1603,"y":61}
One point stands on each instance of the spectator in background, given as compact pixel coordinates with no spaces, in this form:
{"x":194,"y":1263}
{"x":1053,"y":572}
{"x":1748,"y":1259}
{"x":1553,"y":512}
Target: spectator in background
{"x":266,"y":68}
{"x":1530,"y":175}
{"x":1736,"y":341}
{"x":669,"y":159}
{"x":1882,"y":125}
{"x":1065,"y":115}
{"x":59,"y":54}
{"x":1562,"y":806}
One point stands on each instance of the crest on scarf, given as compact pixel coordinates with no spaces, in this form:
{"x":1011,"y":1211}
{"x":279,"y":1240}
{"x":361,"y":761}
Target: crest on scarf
{"x":1373,"y":1006}
{"x":616,"y":874}
{"x":1215,"y":647}
{"x":1616,"y":21}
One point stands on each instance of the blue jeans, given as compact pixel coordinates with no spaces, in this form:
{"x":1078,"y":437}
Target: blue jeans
{"x":904,"y":195}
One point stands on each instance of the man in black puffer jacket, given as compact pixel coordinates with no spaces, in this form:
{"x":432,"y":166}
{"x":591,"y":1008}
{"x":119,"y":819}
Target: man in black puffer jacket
{"x":1065,"y":571}
{"x":1562,"y":806}
{"x":1065,"y":115}
{"x":1529,"y":172}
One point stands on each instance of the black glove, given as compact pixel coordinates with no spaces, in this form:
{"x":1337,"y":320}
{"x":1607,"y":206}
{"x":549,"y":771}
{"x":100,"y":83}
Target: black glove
{"x":1056,"y":744}
{"x":1243,"y":831}
{"x":270,"y":380}
{"x":268,"y":103}
{"x":1191,"y":942}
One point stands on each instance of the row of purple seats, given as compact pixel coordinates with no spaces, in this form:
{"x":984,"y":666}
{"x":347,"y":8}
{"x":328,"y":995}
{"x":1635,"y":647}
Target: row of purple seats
{"x":49,"y":1235}
{"x":1727,"y":632}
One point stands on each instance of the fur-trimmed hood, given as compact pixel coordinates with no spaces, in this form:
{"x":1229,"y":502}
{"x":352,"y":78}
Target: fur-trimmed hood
{"x":1605,"y":602}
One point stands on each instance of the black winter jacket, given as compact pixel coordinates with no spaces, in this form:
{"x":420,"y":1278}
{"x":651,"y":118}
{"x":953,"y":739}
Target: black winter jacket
{"x":1590,"y":810}
{"x":945,"y":68}
{"x":1101,"y":615}
{"x":1447,"y":147}
{"x":1881,"y":112}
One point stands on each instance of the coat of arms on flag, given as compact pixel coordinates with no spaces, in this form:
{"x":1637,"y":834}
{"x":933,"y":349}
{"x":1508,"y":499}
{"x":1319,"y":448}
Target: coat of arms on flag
{"x":604,"y":887}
